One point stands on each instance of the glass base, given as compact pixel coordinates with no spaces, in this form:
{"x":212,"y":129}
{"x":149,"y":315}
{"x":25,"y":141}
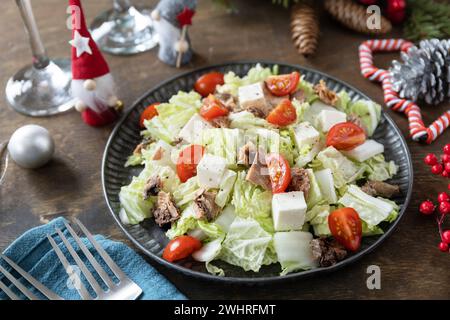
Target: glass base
{"x":41,"y":92}
{"x":124,"y":33}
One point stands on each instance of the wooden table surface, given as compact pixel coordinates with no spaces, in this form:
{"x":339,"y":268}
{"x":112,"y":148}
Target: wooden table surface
{"x":411,"y":265}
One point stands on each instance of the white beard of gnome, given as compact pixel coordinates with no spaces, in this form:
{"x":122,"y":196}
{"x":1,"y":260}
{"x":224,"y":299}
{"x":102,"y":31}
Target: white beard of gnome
{"x":97,"y":94}
{"x":92,"y":84}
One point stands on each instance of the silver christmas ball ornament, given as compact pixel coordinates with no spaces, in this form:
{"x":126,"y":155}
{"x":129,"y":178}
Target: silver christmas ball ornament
{"x":31,"y":146}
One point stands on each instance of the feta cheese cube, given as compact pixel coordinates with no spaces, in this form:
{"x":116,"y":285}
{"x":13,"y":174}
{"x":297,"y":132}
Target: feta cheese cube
{"x":313,"y":111}
{"x":252,"y":96}
{"x":328,"y":118}
{"x":305,"y":133}
{"x":367,"y":150}
{"x":210,"y":170}
{"x":288,"y":210}
{"x":326,"y":184}
{"x":294,"y":250}
{"x":193,"y":128}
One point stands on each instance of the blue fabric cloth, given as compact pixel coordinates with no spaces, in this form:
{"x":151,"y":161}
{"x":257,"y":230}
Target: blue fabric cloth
{"x":33,"y":252}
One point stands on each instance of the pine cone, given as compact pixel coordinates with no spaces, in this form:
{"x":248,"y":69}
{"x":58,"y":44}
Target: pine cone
{"x":305,"y":28}
{"x":424,"y":73}
{"x":354,"y":16}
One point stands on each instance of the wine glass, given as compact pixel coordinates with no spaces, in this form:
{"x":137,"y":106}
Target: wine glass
{"x":124,"y":30}
{"x":43,"y":88}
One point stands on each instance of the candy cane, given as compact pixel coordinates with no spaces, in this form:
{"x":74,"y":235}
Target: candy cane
{"x":417,"y":128}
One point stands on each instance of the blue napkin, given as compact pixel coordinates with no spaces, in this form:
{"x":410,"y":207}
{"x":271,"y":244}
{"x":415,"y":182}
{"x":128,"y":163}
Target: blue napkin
{"x":33,"y":252}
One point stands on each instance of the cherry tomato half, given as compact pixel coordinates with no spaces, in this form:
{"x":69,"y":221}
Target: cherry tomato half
{"x":279,"y":172}
{"x":207,"y":83}
{"x":345,"y":136}
{"x":346,"y":227}
{"x":283,"y":84}
{"x":188,"y":160}
{"x":212,"y":108}
{"x":148,"y":113}
{"x":283,"y":114}
{"x":180,"y":248}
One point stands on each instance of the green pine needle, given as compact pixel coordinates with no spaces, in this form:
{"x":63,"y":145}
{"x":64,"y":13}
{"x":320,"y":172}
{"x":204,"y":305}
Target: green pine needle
{"x":427,"y":19}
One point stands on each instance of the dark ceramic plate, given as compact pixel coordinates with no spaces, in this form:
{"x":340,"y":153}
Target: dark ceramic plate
{"x":151,"y":239}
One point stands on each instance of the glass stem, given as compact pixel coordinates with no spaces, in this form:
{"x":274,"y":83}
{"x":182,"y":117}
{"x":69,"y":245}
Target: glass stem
{"x":40,"y":58}
{"x":120,"y":6}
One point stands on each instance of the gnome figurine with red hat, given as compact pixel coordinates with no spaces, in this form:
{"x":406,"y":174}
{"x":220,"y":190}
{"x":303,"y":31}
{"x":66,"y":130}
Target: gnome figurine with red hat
{"x":92,"y":83}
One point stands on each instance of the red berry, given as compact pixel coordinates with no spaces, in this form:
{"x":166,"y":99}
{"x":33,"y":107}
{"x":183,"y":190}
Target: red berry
{"x":430,"y":159}
{"x":445,"y":174}
{"x":444,"y":207}
{"x":437,"y":168}
{"x":446,"y":236}
{"x":443,"y":196}
{"x":447,"y":166}
{"x":446,"y":149}
{"x":427,"y":207}
{"x":448,"y":187}
{"x":443,"y":247}
{"x":445,"y":158}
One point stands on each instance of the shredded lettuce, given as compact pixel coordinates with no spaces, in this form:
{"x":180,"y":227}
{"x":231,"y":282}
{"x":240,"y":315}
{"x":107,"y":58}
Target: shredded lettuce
{"x":250,"y":200}
{"x":256,"y":74}
{"x":247,"y":120}
{"x":300,"y":109}
{"x":134,"y":160}
{"x":132,"y":201}
{"x":225,"y":188}
{"x":318,"y":219}
{"x":370,"y":209}
{"x":368,"y":111}
{"x":344,"y":170}
{"x":222,"y":142}
{"x":186,"y":222}
{"x":245,"y":244}
{"x":315,"y":195}
{"x":344,"y":101}
{"x":185,"y":193}
{"x":172,"y":116}
{"x":308,"y":90}
{"x":131,"y":196}
{"x":377,"y":168}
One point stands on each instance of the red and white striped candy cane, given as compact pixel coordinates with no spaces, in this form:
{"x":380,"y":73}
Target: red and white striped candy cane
{"x":417,"y":129}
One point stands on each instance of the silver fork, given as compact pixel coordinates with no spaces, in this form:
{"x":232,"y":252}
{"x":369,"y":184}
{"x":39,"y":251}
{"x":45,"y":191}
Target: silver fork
{"x":39,"y":286}
{"x":125,"y":289}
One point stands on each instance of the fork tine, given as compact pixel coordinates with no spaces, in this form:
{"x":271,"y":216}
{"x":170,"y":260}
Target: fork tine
{"x":91,"y":258}
{"x":90,"y":278}
{"x":18,"y":285}
{"x":105,"y":256}
{"x":81,"y":288}
{"x":8,"y":292}
{"x":43,"y":289}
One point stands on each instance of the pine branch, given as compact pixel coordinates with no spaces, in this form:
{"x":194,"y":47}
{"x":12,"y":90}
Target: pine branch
{"x":427,"y":19}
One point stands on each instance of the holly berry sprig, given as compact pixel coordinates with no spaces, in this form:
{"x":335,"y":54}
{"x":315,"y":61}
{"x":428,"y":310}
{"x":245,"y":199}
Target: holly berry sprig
{"x":428,"y":207}
{"x":439,"y":167}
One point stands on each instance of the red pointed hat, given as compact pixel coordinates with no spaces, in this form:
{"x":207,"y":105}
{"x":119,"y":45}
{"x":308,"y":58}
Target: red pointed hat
{"x":87,"y":61}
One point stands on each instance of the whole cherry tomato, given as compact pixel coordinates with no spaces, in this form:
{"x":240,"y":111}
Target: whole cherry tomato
{"x":180,"y":248}
{"x":206,"y":84}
